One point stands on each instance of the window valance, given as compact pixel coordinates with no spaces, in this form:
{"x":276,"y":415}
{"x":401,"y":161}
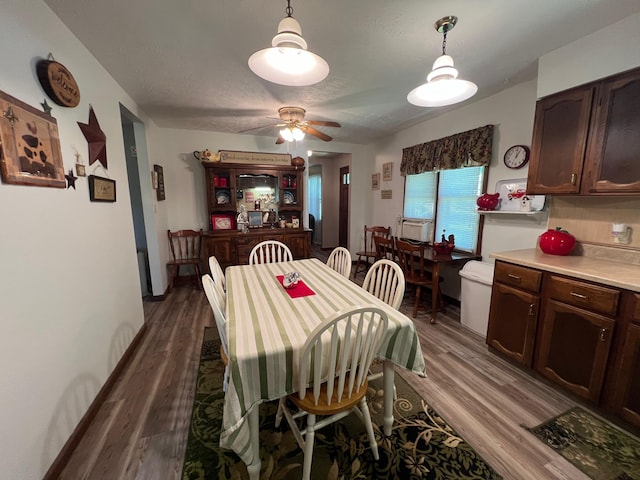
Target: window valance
{"x":470,"y":148}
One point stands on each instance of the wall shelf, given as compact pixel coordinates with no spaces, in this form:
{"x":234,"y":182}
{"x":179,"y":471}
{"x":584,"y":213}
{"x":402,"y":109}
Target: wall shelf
{"x":508,"y":212}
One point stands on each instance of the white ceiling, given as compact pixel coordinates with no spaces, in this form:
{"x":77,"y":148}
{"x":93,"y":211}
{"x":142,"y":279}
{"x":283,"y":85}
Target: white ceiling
{"x":185,"y":61}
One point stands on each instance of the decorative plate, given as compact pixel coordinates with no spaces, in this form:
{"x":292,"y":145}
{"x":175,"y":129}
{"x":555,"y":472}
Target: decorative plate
{"x":223,"y":198}
{"x":288,"y":198}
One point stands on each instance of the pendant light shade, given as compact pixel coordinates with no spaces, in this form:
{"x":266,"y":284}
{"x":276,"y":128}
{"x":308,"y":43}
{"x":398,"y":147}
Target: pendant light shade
{"x":443,"y":86}
{"x":292,"y":133}
{"x":288,"y":62}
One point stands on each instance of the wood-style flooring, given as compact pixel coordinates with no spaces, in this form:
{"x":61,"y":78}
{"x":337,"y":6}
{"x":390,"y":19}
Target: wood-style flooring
{"x":141,"y":430}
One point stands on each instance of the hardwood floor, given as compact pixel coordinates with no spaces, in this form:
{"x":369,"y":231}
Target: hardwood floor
{"x":141,"y":430}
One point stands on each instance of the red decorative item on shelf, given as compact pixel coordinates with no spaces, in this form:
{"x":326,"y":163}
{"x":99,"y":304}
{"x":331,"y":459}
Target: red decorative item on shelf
{"x":488,"y":201}
{"x":557,"y":242}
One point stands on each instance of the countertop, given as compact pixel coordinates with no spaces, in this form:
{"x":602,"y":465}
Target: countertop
{"x":605,"y":271}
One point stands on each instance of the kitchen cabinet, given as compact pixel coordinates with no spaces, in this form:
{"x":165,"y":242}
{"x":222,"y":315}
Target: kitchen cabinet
{"x":625,"y":388}
{"x":576,"y":334}
{"x":514,"y":311}
{"x":585,"y":140}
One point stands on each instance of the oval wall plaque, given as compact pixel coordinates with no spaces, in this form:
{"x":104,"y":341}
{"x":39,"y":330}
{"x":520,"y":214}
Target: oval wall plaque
{"x":58,"y":83}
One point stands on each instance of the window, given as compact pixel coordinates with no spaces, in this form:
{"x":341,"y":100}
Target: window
{"x":449,"y":198}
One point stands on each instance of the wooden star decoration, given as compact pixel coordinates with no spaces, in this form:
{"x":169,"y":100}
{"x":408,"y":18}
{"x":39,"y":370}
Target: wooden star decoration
{"x":46,"y":108}
{"x":96,"y":139}
{"x":71,"y":179}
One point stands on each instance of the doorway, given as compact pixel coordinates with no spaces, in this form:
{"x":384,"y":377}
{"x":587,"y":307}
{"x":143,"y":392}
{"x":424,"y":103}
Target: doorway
{"x":142,"y":202}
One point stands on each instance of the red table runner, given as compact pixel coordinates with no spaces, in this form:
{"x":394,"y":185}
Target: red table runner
{"x":300,"y":289}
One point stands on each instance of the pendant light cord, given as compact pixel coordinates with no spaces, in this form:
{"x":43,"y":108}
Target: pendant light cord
{"x":445,"y":28}
{"x":289,"y":9}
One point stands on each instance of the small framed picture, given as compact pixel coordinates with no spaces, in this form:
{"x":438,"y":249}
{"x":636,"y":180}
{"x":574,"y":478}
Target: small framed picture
{"x":80,"y":170}
{"x":295,"y":222}
{"x":387,"y":171}
{"x":255,"y":218}
{"x":375,"y":181}
{"x":102,"y":189}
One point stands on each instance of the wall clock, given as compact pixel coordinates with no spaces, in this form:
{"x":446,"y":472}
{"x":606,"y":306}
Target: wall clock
{"x":516,"y":156}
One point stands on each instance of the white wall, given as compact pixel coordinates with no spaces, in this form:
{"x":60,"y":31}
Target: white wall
{"x":70,"y":297}
{"x":608,"y":51}
{"x":512,"y":112}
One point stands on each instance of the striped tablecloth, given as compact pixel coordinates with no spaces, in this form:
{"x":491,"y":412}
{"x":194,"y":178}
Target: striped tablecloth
{"x":267,"y":328}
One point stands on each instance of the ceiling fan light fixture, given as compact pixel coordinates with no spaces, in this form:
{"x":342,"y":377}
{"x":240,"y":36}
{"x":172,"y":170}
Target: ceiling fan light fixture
{"x":291,"y":134}
{"x":443,"y":86}
{"x":288,"y":62}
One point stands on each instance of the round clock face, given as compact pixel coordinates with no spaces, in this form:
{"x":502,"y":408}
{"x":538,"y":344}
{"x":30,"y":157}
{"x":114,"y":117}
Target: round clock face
{"x":516,"y":156}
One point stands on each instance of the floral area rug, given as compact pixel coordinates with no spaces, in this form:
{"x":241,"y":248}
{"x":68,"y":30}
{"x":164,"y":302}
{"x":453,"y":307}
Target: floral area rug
{"x":599,"y":449}
{"x":422,"y":446}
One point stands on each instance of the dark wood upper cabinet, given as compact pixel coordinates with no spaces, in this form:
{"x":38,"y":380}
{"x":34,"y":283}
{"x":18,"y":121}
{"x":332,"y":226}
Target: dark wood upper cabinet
{"x":587,"y":140}
{"x":560,"y":141}
{"x":614,"y":148}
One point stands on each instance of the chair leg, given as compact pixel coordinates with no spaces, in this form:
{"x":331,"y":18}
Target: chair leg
{"x":280,"y":411}
{"x":175,"y":269}
{"x":364,"y":408}
{"x":355,"y":271}
{"x":308,"y":446}
{"x":198,"y":277}
{"x":417,"y":302}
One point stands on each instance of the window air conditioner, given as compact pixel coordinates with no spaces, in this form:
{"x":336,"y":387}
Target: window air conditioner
{"x":419,"y":230}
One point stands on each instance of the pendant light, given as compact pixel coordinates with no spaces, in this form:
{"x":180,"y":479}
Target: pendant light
{"x":288,"y":62}
{"x":443,"y":86}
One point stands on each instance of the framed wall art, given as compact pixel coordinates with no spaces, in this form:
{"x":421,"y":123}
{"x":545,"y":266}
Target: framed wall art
{"x":375,"y":181}
{"x":29,"y":145}
{"x":255,"y":218}
{"x":160,"y":176}
{"x":102,"y":189}
{"x":387,"y":171}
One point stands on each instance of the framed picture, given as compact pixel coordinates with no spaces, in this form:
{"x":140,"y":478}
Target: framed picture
{"x":387,"y":171}
{"x":386,"y":194}
{"x":102,"y":189}
{"x":222,"y":222}
{"x":160,"y":189}
{"x":255,"y":218}
{"x":29,"y":145}
{"x":375,"y":181}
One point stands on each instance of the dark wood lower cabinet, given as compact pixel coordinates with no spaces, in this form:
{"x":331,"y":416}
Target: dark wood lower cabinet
{"x":512,"y":323}
{"x":233,"y":247}
{"x":574,"y":348}
{"x":627,"y":401}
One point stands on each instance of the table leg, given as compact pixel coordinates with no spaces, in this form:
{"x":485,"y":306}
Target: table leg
{"x":435,"y":275}
{"x":388,"y":382}
{"x":254,"y":427}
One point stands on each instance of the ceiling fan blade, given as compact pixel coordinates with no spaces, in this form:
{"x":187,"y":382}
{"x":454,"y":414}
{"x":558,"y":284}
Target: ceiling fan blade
{"x":257,"y":128}
{"x":323,"y":123}
{"x":279,"y":140}
{"x":317,"y":133}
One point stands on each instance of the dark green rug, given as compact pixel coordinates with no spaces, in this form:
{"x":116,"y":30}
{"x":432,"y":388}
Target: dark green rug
{"x":599,"y":449}
{"x":422,"y":446}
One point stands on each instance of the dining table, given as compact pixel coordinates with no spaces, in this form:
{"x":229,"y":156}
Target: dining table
{"x":267,"y":328}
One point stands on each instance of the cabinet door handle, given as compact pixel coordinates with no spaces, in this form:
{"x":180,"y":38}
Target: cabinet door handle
{"x":574,"y":177}
{"x":531,"y":307}
{"x":603,"y":333}
{"x":578,"y":295}
{"x":514,"y":277}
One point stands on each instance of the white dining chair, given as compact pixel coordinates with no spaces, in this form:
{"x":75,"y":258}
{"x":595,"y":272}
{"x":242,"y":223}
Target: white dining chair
{"x":340,"y":349}
{"x":217,"y":274}
{"x":270,"y":251}
{"x":215,"y":301}
{"x":385,"y":281}
{"x":340,"y":261}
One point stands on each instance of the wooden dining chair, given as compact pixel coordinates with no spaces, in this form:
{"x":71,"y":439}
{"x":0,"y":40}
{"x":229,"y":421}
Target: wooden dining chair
{"x":384,"y":247}
{"x":216,"y":303}
{"x":342,"y":358}
{"x":185,"y":250}
{"x":270,"y":251}
{"x":385,"y":280}
{"x":369,"y":251}
{"x":411,"y":260}
{"x":218,"y":275}
{"x":340,"y":261}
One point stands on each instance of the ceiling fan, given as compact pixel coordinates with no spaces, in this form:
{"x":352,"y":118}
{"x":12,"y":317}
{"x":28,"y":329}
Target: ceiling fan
{"x":294,"y":126}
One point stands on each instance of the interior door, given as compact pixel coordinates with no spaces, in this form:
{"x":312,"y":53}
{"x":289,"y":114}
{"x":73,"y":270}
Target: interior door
{"x":343,"y":212}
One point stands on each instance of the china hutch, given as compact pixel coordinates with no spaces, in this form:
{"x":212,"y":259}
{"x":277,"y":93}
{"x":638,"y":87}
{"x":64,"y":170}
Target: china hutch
{"x":272,"y":197}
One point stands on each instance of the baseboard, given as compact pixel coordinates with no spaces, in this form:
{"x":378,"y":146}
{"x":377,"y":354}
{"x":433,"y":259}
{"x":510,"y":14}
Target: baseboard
{"x":56,"y":468}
